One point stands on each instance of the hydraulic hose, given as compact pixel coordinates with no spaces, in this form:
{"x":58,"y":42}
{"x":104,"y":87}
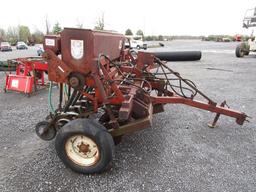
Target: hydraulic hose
{"x":50,"y":99}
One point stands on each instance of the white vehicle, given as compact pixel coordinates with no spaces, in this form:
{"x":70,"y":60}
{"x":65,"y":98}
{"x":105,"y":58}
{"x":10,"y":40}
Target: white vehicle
{"x":245,"y":48}
{"x":136,"y":42}
{"x":21,"y":45}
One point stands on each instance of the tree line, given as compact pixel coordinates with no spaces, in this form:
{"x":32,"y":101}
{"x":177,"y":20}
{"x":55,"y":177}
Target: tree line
{"x":23,"y":33}
{"x":149,"y":37}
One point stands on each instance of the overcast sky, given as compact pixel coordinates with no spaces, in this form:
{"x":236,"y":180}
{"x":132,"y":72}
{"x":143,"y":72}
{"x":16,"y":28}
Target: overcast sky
{"x":154,"y":17}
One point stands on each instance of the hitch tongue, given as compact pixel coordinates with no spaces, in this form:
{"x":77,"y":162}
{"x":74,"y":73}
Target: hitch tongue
{"x":216,"y":118}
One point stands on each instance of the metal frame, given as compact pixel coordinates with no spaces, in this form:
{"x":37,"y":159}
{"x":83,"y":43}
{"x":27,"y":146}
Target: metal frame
{"x":123,"y":87}
{"x":250,"y":21}
{"x":28,"y":67}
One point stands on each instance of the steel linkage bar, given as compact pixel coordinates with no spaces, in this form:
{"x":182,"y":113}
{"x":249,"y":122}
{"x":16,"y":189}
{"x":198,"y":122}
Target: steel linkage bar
{"x":239,"y":116}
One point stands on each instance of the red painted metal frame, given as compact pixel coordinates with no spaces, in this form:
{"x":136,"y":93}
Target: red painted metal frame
{"x":240,"y":117}
{"x":26,"y":66}
{"x":19,"y":83}
{"x":25,"y":69}
{"x":103,"y":75}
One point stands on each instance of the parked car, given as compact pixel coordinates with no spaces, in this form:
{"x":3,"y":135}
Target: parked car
{"x":40,"y":51}
{"x":21,"y":45}
{"x":5,"y":46}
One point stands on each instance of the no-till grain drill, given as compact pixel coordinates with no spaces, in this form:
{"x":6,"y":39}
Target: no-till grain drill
{"x":111,"y":91}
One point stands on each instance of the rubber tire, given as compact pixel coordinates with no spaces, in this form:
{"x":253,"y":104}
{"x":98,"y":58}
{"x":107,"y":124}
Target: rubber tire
{"x":97,"y":133}
{"x":239,"y":51}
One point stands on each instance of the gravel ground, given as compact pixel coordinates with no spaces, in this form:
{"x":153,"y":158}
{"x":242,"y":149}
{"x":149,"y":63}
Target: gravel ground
{"x":178,"y":153}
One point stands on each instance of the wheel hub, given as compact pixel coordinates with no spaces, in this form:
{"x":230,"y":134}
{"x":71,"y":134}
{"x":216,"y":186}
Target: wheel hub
{"x":82,"y":150}
{"x":74,"y":82}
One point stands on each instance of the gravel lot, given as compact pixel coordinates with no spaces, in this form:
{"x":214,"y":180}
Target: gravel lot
{"x":178,"y":153}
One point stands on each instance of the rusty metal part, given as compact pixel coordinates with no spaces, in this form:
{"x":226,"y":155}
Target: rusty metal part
{"x":120,"y":88}
{"x":80,"y":48}
{"x":127,"y":105}
{"x":105,"y":76}
{"x":186,"y":81}
{"x":239,"y":116}
{"x":158,"y":108}
{"x":84,"y":148}
{"x":134,"y":125}
{"x":45,"y":130}
{"x":53,"y":43}
{"x":76,"y":81}
{"x":58,"y":71}
{"x":213,"y":124}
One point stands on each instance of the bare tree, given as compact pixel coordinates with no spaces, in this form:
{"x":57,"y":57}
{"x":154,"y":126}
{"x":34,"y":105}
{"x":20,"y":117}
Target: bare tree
{"x":12,"y":35}
{"x":2,"y":35}
{"x":47,"y":25}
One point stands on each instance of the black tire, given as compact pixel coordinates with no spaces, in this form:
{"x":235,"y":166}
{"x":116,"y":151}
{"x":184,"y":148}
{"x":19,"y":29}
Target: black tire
{"x":239,"y":51}
{"x":91,"y":129}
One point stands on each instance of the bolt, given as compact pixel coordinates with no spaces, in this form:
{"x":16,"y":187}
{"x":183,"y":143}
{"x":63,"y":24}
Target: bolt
{"x":74,"y":82}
